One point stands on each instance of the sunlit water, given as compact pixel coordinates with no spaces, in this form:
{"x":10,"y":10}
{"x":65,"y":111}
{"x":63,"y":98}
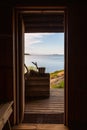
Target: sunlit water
{"x":50,"y":62}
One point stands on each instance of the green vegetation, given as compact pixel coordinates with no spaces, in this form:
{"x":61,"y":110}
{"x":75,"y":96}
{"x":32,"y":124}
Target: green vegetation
{"x":55,"y":74}
{"x":57,"y":79}
{"x":30,"y":68}
{"x":60,"y":85}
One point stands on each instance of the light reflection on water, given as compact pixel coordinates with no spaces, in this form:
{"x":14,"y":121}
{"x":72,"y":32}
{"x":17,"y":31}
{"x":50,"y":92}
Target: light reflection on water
{"x":51,"y":62}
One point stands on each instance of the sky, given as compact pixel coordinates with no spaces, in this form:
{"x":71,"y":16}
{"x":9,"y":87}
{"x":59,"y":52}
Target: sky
{"x":44,"y":43}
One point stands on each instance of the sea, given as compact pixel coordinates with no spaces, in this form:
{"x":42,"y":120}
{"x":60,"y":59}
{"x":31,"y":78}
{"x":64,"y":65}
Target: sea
{"x":51,"y":63}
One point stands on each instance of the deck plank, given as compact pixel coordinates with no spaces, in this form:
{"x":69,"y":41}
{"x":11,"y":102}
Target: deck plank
{"x":47,"y":110}
{"x":40,"y":127}
{"x":53,"y":104}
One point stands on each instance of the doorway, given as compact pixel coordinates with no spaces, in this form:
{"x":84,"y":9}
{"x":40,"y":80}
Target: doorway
{"x":44,"y":50}
{"x":53,"y":17}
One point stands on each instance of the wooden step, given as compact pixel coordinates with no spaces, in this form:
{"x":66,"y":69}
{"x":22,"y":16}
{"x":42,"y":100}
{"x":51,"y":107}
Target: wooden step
{"x":40,"y":127}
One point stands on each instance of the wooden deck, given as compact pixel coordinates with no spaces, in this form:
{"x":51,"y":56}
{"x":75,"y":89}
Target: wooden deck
{"x":47,"y":110}
{"x":40,"y":127}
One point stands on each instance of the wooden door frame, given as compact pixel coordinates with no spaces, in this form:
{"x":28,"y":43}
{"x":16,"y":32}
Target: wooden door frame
{"x":19,"y":11}
{"x":18,"y":66}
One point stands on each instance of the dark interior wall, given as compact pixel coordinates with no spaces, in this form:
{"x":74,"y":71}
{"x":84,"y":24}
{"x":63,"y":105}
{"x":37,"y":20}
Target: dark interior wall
{"x":6,"y":54}
{"x":77,"y":39}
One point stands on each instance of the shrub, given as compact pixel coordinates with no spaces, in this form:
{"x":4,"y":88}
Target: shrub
{"x":60,"y":85}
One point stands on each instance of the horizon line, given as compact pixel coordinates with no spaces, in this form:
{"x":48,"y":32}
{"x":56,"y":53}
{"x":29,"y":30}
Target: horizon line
{"x":42,"y":54}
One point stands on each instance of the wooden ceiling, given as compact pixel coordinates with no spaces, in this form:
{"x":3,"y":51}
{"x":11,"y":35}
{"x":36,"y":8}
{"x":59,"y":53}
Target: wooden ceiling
{"x":44,"y":22}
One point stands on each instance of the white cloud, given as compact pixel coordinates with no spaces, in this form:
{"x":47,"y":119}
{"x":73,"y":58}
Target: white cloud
{"x":35,"y":38}
{"x":32,"y":38}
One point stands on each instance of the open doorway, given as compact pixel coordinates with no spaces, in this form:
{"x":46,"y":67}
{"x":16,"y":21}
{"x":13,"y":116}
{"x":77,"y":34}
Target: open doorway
{"x":44,"y":95}
{"x":38,"y":20}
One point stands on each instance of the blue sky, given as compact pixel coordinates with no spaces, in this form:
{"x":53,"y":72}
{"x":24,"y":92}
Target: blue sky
{"x":44,"y":43}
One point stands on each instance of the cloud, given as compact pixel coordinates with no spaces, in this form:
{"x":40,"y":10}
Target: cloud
{"x":35,"y":38}
{"x":32,"y":38}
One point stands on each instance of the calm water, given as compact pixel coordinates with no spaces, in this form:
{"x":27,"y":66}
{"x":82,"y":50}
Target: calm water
{"x":51,"y":62}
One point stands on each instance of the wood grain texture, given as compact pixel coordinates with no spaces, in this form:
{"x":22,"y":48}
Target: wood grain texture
{"x":40,"y":127}
{"x":46,"y":110}
{"x":53,"y":104}
{"x":37,"y":85}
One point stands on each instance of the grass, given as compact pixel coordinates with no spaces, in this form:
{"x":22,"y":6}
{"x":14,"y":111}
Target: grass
{"x":60,"y":85}
{"x":30,"y":68}
{"x":53,"y":75}
{"x":56,"y":75}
